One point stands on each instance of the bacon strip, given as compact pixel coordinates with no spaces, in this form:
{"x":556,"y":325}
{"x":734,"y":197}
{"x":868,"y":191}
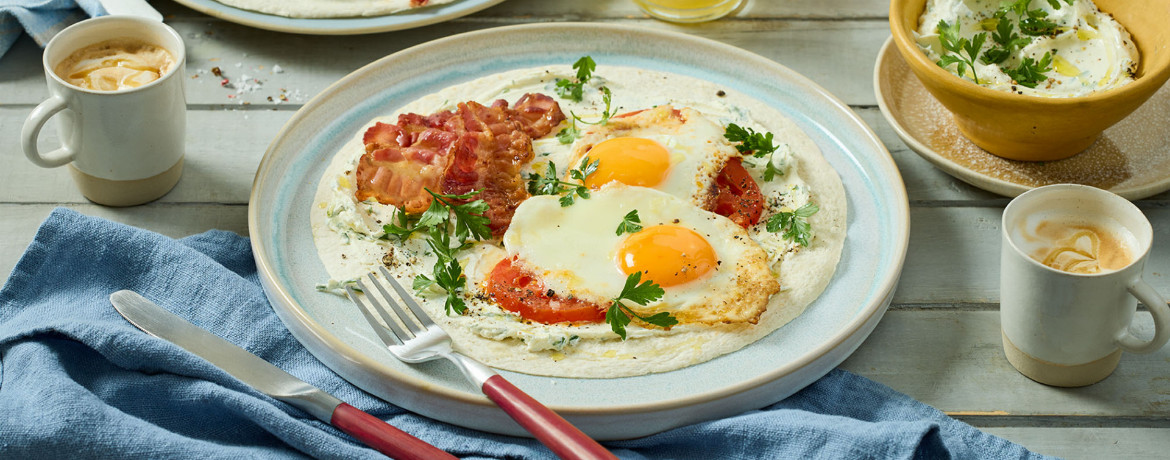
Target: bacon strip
{"x":474,"y":147}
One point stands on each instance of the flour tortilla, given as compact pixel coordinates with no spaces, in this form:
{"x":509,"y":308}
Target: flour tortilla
{"x":804,"y":274}
{"x":316,"y":9}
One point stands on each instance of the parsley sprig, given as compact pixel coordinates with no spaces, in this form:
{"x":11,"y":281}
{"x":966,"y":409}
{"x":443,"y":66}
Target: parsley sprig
{"x":607,"y":97}
{"x":574,"y":90}
{"x":755,"y":144}
{"x":570,"y":133}
{"x":794,"y":224}
{"x":1031,"y":72}
{"x":641,"y":293}
{"x":750,"y":142}
{"x":964,"y":51}
{"x":550,"y":183}
{"x":437,"y":222}
{"x":1006,"y":40}
{"x":630,"y":224}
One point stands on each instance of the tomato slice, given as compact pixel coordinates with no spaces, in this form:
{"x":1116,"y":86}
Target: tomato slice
{"x":518,"y":291}
{"x":738,"y":197}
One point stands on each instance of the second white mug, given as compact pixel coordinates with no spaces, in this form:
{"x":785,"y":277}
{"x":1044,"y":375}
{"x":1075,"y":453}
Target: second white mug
{"x":123,"y":147}
{"x":1066,"y":310}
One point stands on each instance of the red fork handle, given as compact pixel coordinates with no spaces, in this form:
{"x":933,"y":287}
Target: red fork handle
{"x":560,"y":436}
{"x":384,"y":438}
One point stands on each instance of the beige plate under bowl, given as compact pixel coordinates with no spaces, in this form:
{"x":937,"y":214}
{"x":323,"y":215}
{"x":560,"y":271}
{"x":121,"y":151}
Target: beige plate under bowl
{"x":1131,"y":159}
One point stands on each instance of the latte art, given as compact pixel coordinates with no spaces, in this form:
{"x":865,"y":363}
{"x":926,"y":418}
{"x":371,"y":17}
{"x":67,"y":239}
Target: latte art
{"x":1078,"y":246}
{"x":115,"y":65}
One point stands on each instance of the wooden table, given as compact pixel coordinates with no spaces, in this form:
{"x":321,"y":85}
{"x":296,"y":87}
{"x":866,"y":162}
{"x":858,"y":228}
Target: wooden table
{"x":939,"y":342}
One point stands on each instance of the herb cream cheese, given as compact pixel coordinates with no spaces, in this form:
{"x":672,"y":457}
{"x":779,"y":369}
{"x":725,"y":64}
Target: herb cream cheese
{"x":1047,"y":48}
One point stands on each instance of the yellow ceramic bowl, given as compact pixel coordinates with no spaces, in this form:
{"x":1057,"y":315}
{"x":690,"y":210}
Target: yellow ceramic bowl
{"x":1031,"y":128}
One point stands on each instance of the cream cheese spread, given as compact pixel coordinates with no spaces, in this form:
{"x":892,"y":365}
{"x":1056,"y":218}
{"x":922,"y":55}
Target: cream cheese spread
{"x":350,"y":239}
{"x":1088,"y":50}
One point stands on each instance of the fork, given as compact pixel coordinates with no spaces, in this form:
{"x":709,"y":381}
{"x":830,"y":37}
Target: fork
{"x":419,"y":339}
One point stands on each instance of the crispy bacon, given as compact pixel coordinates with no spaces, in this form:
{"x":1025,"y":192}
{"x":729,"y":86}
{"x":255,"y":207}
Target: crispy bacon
{"x":474,"y":147}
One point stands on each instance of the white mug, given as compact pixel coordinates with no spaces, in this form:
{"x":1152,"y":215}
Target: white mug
{"x":124,"y":147}
{"x":1069,"y":329}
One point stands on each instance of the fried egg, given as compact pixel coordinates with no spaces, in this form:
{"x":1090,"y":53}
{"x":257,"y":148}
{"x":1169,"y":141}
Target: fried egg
{"x":711,"y":271}
{"x":677,"y":151}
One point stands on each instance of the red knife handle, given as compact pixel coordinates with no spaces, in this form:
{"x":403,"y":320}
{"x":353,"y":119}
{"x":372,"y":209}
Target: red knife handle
{"x":384,"y":438}
{"x":556,"y":433}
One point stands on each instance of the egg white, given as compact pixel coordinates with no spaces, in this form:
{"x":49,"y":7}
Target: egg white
{"x":696,"y":144}
{"x":574,"y":250}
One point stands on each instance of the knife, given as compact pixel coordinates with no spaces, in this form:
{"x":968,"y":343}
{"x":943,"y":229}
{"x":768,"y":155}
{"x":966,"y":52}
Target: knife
{"x":271,"y":380}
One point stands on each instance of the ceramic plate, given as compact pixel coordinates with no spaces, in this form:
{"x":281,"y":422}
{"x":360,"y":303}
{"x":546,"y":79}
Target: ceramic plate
{"x":758,"y":375}
{"x":340,"y":26}
{"x":1131,"y":159}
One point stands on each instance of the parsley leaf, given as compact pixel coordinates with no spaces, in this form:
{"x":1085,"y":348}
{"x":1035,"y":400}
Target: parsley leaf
{"x":575,"y":90}
{"x":585,"y":67}
{"x":641,"y":293}
{"x":405,"y":227}
{"x":421,"y":282}
{"x":948,"y":36}
{"x":449,"y":277}
{"x":1035,"y":23}
{"x":570,"y":133}
{"x":794,"y":224}
{"x":585,"y":170}
{"x":771,"y":171}
{"x":630,"y":223}
{"x":469,"y":220}
{"x":1030,"y":73}
{"x":750,"y":142}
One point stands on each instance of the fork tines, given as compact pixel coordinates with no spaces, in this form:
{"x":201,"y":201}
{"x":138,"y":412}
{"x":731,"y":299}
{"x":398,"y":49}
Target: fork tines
{"x":402,"y":323}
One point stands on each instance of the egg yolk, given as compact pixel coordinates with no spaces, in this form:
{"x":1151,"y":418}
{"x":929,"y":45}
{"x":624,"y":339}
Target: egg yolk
{"x":666,"y":254}
{"x":629,"y":160}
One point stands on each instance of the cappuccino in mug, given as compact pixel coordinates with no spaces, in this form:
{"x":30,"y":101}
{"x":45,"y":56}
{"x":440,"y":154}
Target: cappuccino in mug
{"x":115,"y":65}
{"x":1075,"y":243}
{"x":1071,"y":268}
{"x":117,"y":82}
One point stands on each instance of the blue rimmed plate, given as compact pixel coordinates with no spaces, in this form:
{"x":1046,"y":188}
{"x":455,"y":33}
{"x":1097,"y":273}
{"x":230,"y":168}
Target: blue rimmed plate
{"x":759,"y":374}
{"x":417,"y":17}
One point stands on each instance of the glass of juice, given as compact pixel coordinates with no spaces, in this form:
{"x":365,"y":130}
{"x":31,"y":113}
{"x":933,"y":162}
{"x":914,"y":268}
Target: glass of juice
{"x":688,"y":10}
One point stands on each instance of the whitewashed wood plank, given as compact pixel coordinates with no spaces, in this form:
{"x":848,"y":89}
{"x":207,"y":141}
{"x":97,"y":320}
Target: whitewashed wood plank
{"x":224,"y":147}
{"x":953,"y":360}
{"x":1090,"y":443}
{"x":594,"y":10}
{"x":21,"y":221}
{"x":838,"y":55}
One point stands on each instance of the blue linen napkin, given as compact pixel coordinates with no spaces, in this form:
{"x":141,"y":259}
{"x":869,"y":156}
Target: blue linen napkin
{"x":79,"y":381}
{"x":42,"y":19}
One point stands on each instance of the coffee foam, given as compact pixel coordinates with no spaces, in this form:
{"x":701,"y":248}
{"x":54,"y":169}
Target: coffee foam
{"x":1075,"y":242}
{"x":115,"y":65}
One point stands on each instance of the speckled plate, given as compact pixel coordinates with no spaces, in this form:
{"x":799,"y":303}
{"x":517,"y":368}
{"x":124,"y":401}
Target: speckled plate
{"x":1131,"y":159}
{"x":340,"y":26}
{"x":760,"y":374}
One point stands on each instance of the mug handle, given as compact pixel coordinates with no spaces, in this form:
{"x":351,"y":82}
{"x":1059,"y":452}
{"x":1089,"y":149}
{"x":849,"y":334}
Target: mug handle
{"x":32,"y":130}
{"x":1158,"y":309}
